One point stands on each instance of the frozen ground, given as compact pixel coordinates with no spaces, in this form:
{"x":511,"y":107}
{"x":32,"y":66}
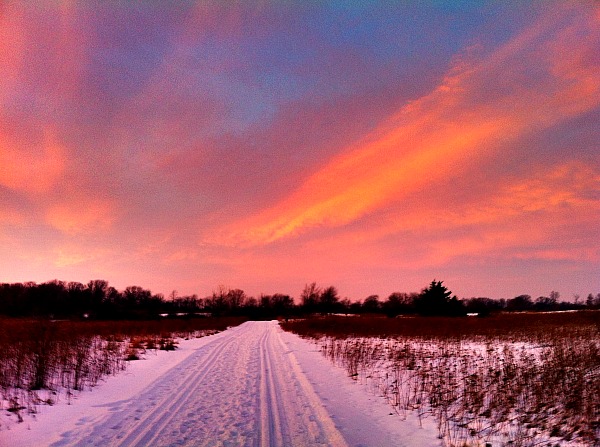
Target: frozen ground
{"x":253,"y":385}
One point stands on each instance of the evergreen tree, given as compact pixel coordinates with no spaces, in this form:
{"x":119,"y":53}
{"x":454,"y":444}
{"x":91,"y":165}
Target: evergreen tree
{"x":438,"y":300}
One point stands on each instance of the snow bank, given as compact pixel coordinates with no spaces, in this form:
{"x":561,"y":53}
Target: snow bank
{"x":45,"y":428}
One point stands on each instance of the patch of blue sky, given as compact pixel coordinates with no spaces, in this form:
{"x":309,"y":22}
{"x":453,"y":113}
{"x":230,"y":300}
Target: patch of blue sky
{"x":402,"y":30}
{"x":127,"y":57}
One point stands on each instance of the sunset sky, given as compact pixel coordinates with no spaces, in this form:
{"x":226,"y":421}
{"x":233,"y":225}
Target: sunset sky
{"x":373,"y":146}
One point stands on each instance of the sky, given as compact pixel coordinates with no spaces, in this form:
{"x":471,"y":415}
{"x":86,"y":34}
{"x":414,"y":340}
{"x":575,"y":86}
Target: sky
{"x":263,"y":145}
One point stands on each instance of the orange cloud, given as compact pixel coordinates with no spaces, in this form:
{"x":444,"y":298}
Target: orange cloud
{"x":31,"y":168}
{"x":32,"y":158}
{"x":68,"y":258}
{"x":571,"y":188}
{"x":184,"y":255}
{"x":556,"y":210}
{"x":71,"y":255}
{"x":477,"y":108}
{"x":11,"y":217}
{"x":83,"y":215}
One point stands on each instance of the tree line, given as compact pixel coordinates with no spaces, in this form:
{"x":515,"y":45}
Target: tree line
{"x":98,"y":300}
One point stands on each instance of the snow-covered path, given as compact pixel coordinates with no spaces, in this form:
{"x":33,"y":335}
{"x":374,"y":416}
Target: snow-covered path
{"x":239,"y":390}
{"x":252,"y":385}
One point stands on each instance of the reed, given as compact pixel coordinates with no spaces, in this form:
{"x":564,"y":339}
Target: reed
{"x":518,"y":380}
{"x":42,"y":361}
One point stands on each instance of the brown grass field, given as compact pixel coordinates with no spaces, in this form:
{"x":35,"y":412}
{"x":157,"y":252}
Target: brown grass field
{"x":505,"y":326}
{"x":527,"y":379}
{"x":42,"y":361}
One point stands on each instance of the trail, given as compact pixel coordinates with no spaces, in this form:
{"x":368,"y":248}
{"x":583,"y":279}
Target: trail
{"x":241,"y":389}
{"x":251,"y":385}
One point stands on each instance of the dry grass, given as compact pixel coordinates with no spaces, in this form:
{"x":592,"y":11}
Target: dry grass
{"x":505,"y":326}
{"x":41,"y":360}
{"x":519,"y":380}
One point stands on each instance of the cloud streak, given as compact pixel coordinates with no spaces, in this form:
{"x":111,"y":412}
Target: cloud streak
{"x":478,"y":107}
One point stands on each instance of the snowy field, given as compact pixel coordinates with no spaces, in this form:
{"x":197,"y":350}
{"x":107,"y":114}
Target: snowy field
{"x":252,"y":385}
{"x":518,"y":394}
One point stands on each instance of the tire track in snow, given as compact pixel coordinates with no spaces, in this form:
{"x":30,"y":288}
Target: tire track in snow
{"x":156,"y":421}
{"x":292,"y":409}
{"x":242,"y":389}
{"x":312,"y":420}
{"x":136,"y":421}
{"x":270,"y":435}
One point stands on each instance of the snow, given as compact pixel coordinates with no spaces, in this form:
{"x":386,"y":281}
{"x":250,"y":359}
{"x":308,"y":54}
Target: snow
{"x":252,"y":385}
{"x":364,"y":419}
